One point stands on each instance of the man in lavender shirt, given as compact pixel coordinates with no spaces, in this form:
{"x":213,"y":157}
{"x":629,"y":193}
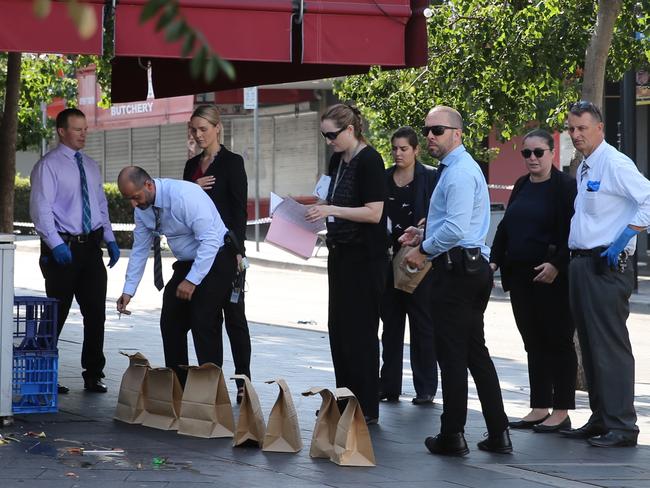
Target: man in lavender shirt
{"x":69,"y":210}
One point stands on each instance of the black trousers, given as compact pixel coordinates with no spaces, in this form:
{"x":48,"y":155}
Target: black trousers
{"x":198,"y":315}
{"x":395,"y":306}
{"x":544,"y":320}
{"x":85,"y":280}
{"x":238,"y":334}
{"x":356,"y":283}
{"x":600,"y":306}
{"x":458,"y":303}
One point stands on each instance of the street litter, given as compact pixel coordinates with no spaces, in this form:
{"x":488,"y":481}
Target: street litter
{"x":80,"y":451}
{"x":158,"y":461}
{"x":40,"y":435}
{"x":7,"y":439}
{"x":72,"y":475}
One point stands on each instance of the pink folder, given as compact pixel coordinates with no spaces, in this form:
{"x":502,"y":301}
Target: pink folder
{"x":290,"y":237}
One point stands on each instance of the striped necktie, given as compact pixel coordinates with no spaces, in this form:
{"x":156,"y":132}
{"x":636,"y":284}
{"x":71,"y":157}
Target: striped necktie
{"x":157,"y":259}
{"x":583,"y":171}
{"x":86,"y":220}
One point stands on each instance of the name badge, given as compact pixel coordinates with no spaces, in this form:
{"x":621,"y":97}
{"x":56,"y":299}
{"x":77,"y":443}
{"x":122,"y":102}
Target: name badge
{"x":330,"y":218}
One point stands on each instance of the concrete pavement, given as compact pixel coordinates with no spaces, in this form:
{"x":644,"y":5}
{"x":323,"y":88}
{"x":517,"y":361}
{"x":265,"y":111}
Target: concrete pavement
{"x":85,"y":420}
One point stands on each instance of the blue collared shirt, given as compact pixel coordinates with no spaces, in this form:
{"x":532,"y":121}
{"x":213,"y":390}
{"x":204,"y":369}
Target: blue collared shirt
{"x":188,"y":219}
{"x":55,"y":203}
{"x":459,"y":210}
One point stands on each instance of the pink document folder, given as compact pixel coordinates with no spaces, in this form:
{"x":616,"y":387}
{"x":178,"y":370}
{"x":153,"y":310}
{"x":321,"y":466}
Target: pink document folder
{"x":290,"y":230}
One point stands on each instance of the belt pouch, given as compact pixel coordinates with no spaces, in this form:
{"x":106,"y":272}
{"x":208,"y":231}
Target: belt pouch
{"x":472,"y":260}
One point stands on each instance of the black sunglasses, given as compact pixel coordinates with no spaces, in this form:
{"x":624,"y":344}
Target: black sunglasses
{"x":582,"y":106}
{"x":437,"y":130}
{"x":333,"y":135}
{"x":538,"y":152}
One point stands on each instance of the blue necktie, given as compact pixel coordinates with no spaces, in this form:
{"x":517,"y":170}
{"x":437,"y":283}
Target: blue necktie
{"x":157,"y":258}
{"x":86,"y":221}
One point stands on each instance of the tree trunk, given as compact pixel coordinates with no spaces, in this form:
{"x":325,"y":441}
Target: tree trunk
{"x":8,"y":134}
{"x":593,"y":90}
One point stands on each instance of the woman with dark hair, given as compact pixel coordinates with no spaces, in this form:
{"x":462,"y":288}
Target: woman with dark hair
{"x":410,"y":185}
{"x":357,"y":243}
{"x":222,"y":175}
{"x":531,"y":248}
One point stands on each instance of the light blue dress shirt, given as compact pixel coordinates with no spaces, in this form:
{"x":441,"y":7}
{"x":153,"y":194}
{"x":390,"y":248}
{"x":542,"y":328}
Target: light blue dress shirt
{"x":55,"y":203}
{"x":191,"y":223}
{"x":459,"y":210}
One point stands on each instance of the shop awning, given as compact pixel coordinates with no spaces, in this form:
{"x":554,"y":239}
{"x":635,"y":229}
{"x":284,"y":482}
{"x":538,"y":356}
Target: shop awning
{"x":326,"y":39}
{"x":249,"y":30}
{"x":22,"y":31}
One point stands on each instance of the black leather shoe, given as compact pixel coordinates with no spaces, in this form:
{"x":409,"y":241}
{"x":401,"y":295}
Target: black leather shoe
{"x":62,"y":390}
{"x":389,"y":397}
{"x":499,"y":443}
{"x":95,"y":385}
{"x":447,"y":444}
{"x":545,"y":429}
{"x":527,"y":424}
{"x":422,"y":400}
{"x":584,"y":432}
{"x":613,"y":439}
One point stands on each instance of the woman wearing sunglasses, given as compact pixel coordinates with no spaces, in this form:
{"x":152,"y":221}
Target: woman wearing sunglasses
{"x":357,"y":243}
{"x":222,"y":175}
{"x":410,"y":185}
{"x":531,"y":248}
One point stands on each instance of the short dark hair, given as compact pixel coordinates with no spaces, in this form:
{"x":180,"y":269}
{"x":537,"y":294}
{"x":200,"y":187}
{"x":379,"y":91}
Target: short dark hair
{"x":135,"y":175}
{"x":542,"y":134}
{"x":64,"y":115}
{"x":407,"y":133}
{"x":583,"y":106}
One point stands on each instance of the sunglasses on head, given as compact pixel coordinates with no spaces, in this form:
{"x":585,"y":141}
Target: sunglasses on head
{"x":333,"y":135}
{"x":437,"y":130}
{"x":582,"y":106}
{"x":538,"y":152}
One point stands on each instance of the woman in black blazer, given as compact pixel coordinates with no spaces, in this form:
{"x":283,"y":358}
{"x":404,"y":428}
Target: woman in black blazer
{"x":410,"y":185}
{"x":531,"y":248}
{"x":222,"y":175}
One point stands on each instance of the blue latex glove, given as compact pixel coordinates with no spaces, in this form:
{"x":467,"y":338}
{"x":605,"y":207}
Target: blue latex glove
{"x":113,"y":252}
{"x":617,"y":247}
{"x":62,"y":254}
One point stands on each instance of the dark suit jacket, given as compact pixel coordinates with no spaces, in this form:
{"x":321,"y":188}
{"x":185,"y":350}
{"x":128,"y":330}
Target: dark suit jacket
{"x":230,"y":190}
{"x":564,"y":191}
{"x":424,"y":179}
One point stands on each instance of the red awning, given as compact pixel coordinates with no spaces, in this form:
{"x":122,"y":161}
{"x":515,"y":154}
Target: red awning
{"x":367,"y":32}
{"x":249,"y":30}
{"x":400,"y":41}
{"x":22,"y":31}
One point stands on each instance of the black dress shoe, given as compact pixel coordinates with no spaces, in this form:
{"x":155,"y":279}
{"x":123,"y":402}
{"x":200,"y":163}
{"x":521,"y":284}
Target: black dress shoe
{"x":447,"y":444}
{"x":613,"y":439}
{"x":499,"y":443}
{"x":545,"y":429}
{"x":422,"y":400}
{"x":389,"y":397}
{"x":62,"y":390}
{"x":584,"y":432}
{"x":95,"y":385}
{"x":527,"y":424}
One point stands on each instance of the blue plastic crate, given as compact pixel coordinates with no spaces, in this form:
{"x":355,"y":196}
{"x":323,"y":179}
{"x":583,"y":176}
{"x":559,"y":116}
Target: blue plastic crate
{"x":35,"y":323}
{"x":34,"y":386}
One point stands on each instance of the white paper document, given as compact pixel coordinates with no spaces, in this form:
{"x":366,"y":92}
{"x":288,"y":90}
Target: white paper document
{"x":322,"y":187}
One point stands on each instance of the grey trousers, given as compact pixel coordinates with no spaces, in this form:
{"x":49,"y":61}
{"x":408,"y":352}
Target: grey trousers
{"x":600,"y":307}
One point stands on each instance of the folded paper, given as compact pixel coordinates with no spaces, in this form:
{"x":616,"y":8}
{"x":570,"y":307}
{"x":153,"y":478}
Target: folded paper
{"x":322,"y":441}
{"x":250,"y":425}
{"x":130,"y":399}
{"x":162,"y":399}
{"x":283,"y":429}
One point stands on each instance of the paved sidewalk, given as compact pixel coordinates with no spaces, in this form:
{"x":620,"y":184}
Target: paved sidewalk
{"x":302,"y":358}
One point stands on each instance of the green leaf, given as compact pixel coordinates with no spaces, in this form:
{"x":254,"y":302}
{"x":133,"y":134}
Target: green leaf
{"x":151,"y":9}
{"x":198,"y":61}
{"x":188,"y":44}
{"x":165,"y":18}
{"x":176,"y":30}
{"x":210,"y":69}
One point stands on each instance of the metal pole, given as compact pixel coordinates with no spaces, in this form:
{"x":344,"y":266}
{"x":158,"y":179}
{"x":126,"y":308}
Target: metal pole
{"x":256,"y":137}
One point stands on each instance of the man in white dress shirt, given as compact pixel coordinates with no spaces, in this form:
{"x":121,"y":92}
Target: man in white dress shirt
{"x":611,"y":208}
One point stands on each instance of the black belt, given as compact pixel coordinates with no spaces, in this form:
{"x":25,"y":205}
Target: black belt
{"x":94,"y":236}
{"x":587,"y":253}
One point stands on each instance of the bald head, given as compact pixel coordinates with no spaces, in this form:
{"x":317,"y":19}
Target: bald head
{"x":136,"y":185}
{"x":450,"y":115}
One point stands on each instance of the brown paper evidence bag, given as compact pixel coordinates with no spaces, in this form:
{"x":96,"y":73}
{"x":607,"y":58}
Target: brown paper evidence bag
{"x":342,"y":438}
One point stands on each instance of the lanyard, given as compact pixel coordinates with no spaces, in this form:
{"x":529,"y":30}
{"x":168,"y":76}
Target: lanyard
{"x":339,"y":174}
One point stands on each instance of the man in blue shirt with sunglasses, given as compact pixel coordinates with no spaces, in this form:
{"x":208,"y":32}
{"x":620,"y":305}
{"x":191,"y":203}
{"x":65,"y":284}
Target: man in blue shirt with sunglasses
{"x":454,"y":240}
